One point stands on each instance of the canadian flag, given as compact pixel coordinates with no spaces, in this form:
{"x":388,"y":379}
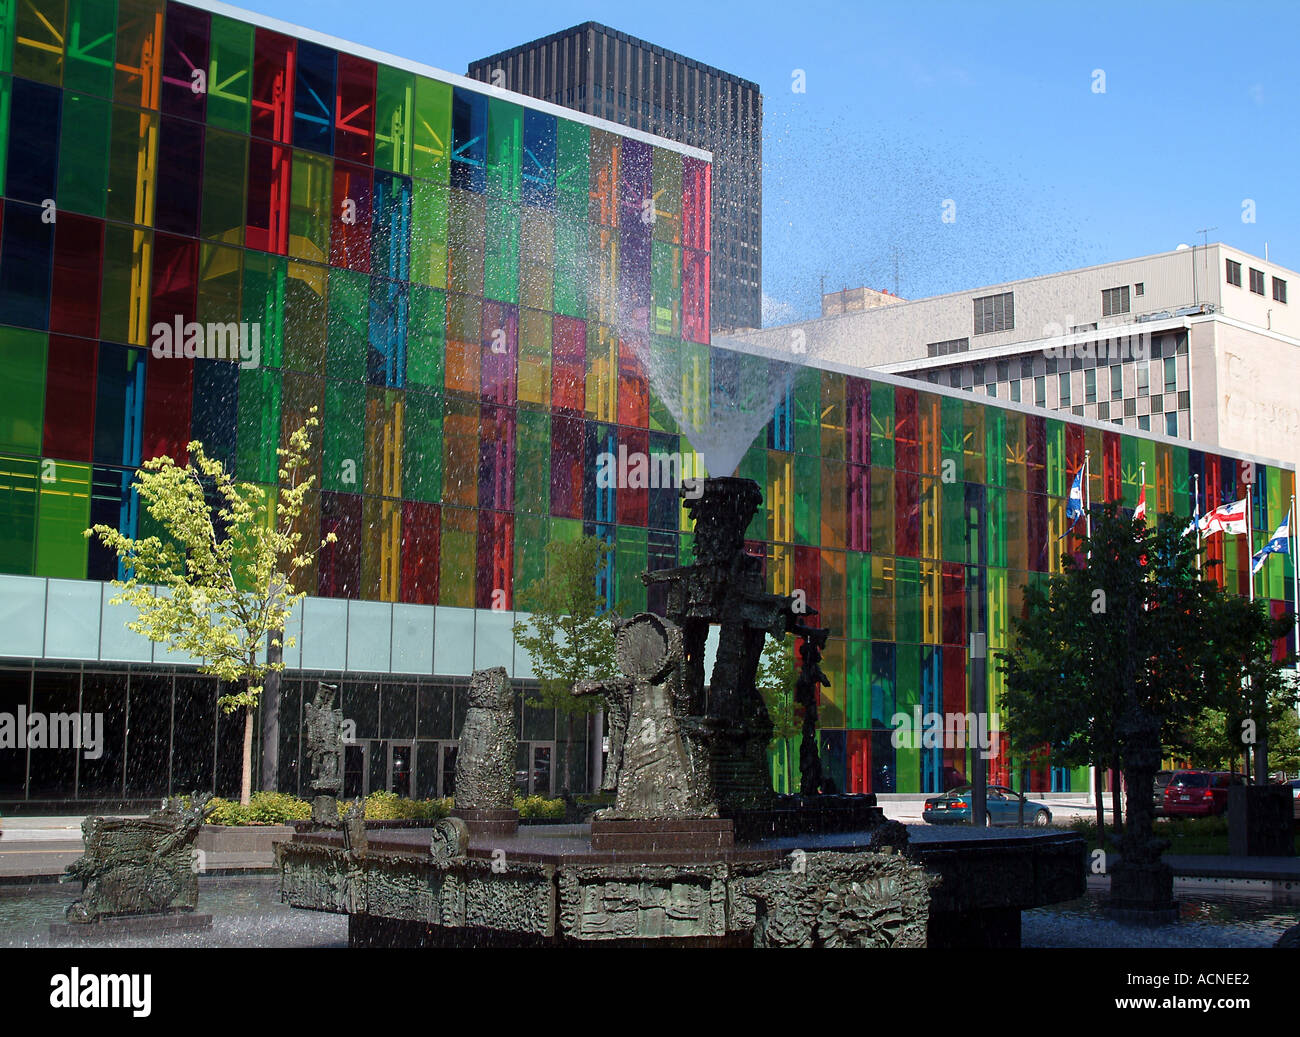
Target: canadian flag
{"x":1140,"y":512}
{"x":1226,"y":518}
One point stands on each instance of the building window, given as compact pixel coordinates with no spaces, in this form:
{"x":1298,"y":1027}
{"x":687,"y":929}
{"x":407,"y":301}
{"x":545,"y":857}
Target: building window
{"x":1116,"y":382}
{"x":1090,"y":385}
{"x":1064,"y":378}
{"x":1233,"y":272}
{"x":992,"y":389}
{"x":1171,"y":423}
{"x":1257,"y":281}
{"x":951,"y":345}
{"x":1171,"y":374}
{"x":1144,"y":422}
{"x":1114,"y":301}
{"x":1015,"y":390}
{"x":1279,"y":290}
{"x":1040,"y":391}
{"x":1140,"y":289}
{"x":1004,"y":370}
{"x":995,"y":313}
{"x":1144,"y":379}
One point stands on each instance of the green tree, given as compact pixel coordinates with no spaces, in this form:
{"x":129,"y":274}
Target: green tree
{"x":775,"y":680}
{"x":569,"y":636}
{"x":221,"y":584}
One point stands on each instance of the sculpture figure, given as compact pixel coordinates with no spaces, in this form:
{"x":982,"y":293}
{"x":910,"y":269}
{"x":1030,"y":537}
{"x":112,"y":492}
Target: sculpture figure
{"x":658,"y":761}
{"x":324,"y":726}
{"x":485,"y":758}
{"x":138,"y":866}
{"x":806,"y":689}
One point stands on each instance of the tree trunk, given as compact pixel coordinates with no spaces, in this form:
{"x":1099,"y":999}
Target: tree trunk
{"x":246,"y":775}
{"x":1100,"y":797}
{"x":1116,"y":796}
{"x":270,"y":700}
{"x":1261,"y":753}
{"x":568,"y":748}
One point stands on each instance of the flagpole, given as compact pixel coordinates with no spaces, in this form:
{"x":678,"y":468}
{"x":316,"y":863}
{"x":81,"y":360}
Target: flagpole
{"x":1250,"y":540}
{"x":1142,"y":489}
{"x":1196,"y":519}
{"x":1295,"y":586}
{"x":1087,"y":501}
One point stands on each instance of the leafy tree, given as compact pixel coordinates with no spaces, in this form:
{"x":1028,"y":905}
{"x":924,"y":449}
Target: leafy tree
{"x":775,"y":681}
{"x":223,"y":581}
{"x":569,"y":637}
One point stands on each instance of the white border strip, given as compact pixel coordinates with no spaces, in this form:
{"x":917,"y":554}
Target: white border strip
{"x":451,"y":78}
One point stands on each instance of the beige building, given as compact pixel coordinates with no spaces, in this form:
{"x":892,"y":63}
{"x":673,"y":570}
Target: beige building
{"x":1200,"y":343}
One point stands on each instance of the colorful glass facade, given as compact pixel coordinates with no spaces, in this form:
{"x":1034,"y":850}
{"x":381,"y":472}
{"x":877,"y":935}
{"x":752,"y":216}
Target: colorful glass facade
{"x":465,"y":285}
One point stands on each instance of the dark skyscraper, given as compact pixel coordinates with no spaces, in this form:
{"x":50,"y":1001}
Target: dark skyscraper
{"x":609,"y":74}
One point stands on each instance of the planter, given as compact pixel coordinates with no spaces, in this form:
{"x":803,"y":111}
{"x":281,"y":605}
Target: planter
{"x":241,"y":838}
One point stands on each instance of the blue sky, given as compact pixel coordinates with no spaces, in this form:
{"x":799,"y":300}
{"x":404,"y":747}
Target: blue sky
{"x":989,"y":104}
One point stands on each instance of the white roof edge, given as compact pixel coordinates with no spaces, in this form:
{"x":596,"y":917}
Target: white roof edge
{"x":875,"y":374}
{"x":451,"y":78}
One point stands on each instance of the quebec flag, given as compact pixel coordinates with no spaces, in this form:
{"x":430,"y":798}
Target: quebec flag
{"x":1279,"y":544}
{"x":1074,"y":506}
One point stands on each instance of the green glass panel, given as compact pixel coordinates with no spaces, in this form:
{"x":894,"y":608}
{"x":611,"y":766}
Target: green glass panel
{"x":22,"y":404}
{"x":571,"y":262}
{"x":457,"y":557}
{"x":953,"y":506}
{"x":882,"y":598}
{"x":40,"y":32}
{"x":230,"y":75}
{"x":83,"y":154}
{"x":92,"y":28}
{"x":996,"y":526}
{"x":394,"y":119}
{"x":572,"y":168}
{"x":995,"y":446}
{"x":504,"y":148}
{"x":665,"y":289}
{"x":807,"y":499}
{"x":667,"y":354}
{"x":304,"y":318}
{"x":532,"y":533}
{"x":259,"y":423}
{"x":225,"y":159}
{"x":124,"y":297}
{"x":1129,"y":470}
{"x":1017,"y":457}
{"x":857,"y":710}
{"x":907,"y":600}
{"x":429,"y":234}
{"x":858,"y":595}
{"x":882,"y":511}
{"x":19,"y":479}
{"x":6,"y":91}
{"x":501,"y":262}
{"x":629,"y":562}
{"x":952,"y":441}
{"x":309,"y":207}
{"x":7,"y":12}
{"x":265,"y":278}
{"x":806,"y":398}
{"x":220,"y":275}
{"x":426,"y":341}
{"x":64,"y":514}
{"x":343,"y":438}
{"x":532,"y":462}
{"x":422,"y":448}
{"x":1058,"y":482}
{"x":754,"y":466}
{"x":347,"y":326}
{"x":882,"y":425}
{"x":431,"y":139}
{"x":133,"y":155}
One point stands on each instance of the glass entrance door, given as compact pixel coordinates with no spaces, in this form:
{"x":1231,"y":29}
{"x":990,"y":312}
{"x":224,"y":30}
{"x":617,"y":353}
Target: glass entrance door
{"x":401,"y":764}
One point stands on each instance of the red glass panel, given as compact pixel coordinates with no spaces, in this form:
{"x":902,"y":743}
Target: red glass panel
{"x":168,"y":395}
{"x":857,"y":420}
{"x":858,"y":483}
{"x":339,"y":563}
{"x":569,"y":365}
{"x":695,"y":296}
{"x":185,"y":52}
{"x":907,"y":514}
{"x":268,"y":198}
{"x":954,"y":701}
{"x":859,"y":761}
{"x":175,"y":279}
{"x":566,"y":465}
{"x":420,"y":542}
{"x":906,"y":444}
{"x":350,"y":218}
{"x":954,"y":604}
{"x":1036,"y":453}
{"x":273,"y":75}
{"x":1112,"y":471}
{"x":70,"y":399}
{"x":697,"y":193}
{"x":74,"y":291}
{"x":633,"y":395}
{"x":499,"y":350}
{"x":634,"y":501}
{"x":1036,"y":526}
{"x":494,"y":583}
{"x":496,"y":458}
{"x":808,"y":576}
{"x":1074,"y":448}
{"x":354,"y":109}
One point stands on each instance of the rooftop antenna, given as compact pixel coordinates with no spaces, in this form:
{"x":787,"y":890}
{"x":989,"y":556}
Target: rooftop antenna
{"x":1204,"y":232}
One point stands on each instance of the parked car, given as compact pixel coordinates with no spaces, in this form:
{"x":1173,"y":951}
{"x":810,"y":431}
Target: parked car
{"x":1199,"y":793}
{"x":1002,"y":807}
{"x":1158,"y":790}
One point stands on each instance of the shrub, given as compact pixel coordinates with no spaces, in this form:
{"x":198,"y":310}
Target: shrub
{"x":389,"y":806}
{"x":539,"y":808}
{"x":264,"y":808}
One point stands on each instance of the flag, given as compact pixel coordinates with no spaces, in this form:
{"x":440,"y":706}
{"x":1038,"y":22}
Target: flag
{"x":1279,"y":544}
{"x":1140,"y":512}
{"x":1196,"y":517}
{"x":1226,"y":518}
{"x":1074,"y":505}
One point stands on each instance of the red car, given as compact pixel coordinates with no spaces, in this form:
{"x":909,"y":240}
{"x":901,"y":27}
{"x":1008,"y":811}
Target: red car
{"x":1199,"y":793}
